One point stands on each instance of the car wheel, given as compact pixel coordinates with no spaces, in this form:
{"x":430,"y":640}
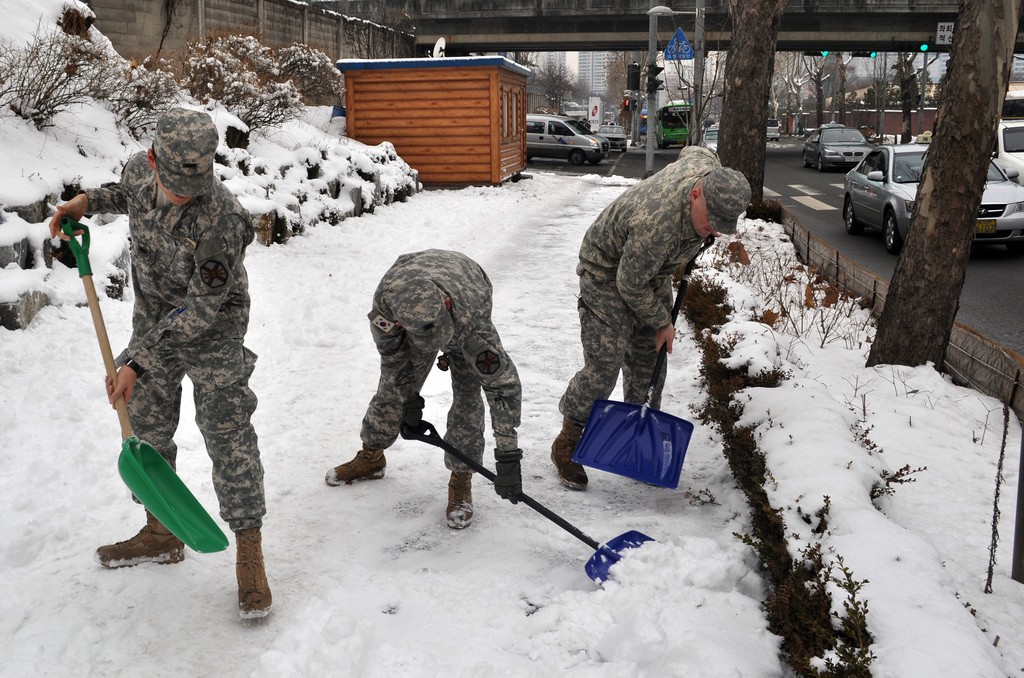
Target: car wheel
{"x":803,"y":156}
{"x":891,"y":232}
{"x":853,"y":227}
{"x":821,"y":165}
{"x":577,"y":157}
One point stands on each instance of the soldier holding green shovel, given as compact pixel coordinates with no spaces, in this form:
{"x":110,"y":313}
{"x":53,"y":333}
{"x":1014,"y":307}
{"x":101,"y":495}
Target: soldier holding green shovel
{"x":188,"y":240}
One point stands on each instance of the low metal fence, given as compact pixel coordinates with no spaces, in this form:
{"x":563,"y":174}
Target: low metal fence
{"x":972,"y":359}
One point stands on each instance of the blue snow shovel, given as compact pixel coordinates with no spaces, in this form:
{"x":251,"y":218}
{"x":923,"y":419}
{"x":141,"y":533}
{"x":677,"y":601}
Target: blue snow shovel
{"x":148,"y":475}
{"x":605,"y":555}
{"x":637,"y":441}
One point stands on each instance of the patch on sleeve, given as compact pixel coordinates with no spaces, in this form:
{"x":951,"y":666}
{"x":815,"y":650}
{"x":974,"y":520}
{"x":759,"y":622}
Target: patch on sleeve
{"x":383,"y":324}
{"x":213,"y":273}
{"x":488,"y":362}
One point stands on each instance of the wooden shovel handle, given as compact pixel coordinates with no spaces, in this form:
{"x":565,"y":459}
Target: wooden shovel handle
{"x":108,"y":356}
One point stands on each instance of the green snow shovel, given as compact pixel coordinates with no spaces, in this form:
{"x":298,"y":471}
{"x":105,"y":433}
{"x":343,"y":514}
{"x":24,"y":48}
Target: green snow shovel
{"x":634,"y":440}
{"x":148,"y":475}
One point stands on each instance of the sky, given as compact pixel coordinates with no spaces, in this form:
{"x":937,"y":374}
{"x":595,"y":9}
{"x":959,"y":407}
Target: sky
{"x":367,"y":578}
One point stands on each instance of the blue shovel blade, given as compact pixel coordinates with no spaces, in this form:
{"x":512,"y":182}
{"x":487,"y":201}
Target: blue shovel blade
{"x":154,"y":483}
{"x":634,"y":441}
{"x":610,"y":553}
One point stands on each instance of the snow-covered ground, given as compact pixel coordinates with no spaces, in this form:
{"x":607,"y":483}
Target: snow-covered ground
{"x":367,"y":579}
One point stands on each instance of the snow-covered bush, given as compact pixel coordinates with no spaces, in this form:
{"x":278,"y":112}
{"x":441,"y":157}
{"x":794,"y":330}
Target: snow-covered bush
{"x":142,"y":93}
{"x":244,"y":76}
{"x":313,"y":73}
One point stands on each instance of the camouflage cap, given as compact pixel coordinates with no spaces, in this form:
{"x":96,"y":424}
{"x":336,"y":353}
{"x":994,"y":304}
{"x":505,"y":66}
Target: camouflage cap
{"x":727,"y":194}
{"x":185,"y":144}
{"x":419,"y":308}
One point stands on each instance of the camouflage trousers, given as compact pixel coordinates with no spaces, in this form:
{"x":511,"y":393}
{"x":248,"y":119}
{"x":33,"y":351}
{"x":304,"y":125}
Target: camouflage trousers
{"x":613,"y":341}
{"x":466,"y":417}
{"x":219,"y":371}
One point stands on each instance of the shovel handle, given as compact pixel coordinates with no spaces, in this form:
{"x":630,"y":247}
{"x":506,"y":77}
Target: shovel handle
{"x":426,"y":433}
{"x":683,"y":283}
{"x":71,"y":228}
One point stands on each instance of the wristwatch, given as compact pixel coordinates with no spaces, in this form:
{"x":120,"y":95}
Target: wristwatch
{"x":137,"y":368}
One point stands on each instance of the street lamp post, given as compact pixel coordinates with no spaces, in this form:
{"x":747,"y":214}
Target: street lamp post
{"x":698,"y":70}
{"x":652,"y":80}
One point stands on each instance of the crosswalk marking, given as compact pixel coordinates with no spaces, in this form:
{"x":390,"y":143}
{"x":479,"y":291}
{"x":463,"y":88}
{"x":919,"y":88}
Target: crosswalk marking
{"x":805,"y":189}
{"x":807,"y":198}
{"x":813,"y":203}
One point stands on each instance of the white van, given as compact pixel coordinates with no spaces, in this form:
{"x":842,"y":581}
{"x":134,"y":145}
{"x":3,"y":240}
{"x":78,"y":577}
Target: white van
{"x":558,"y":136}
{"x":1009,"y":147}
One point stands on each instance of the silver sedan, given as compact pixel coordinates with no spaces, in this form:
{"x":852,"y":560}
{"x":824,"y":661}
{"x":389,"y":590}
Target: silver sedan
{"x":880,"y":193}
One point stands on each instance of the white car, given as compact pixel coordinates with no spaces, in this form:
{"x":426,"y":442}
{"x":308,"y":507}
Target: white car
{"x":616,"y":136}
{"x":1009,"y":147}
{"x":710,"y":139}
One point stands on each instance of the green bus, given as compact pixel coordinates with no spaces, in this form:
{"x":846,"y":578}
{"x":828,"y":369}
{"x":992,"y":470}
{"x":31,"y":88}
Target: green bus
{"x":674,"y":123}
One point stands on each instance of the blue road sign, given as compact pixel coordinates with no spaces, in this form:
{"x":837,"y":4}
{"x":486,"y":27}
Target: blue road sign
{"x":679,"y":48}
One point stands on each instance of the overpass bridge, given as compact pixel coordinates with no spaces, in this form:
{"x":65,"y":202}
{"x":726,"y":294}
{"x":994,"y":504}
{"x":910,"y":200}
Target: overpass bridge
{"x":474,"y":26}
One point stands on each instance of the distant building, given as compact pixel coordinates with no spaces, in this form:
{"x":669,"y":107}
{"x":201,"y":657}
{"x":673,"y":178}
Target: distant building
{"x":552,"y":62}
{"x":593,"y":72}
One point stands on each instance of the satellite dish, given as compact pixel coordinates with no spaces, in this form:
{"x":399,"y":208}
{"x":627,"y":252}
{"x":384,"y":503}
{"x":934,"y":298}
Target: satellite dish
{"x":439,"y":48}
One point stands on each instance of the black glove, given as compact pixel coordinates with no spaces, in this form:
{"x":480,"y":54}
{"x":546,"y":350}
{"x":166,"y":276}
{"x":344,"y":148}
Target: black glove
{"x":412,"y":411}
{"x":509,"y":481}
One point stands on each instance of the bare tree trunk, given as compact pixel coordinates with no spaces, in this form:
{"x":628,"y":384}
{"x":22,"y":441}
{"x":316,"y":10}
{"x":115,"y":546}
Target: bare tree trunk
{"x":748,"y":75}
{"x":842,"y":88}
{"x":916,"y":323}
{"x":908,"y":93}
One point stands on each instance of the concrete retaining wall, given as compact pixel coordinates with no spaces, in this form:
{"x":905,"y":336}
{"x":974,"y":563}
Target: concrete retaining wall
{"x":141,"y":28}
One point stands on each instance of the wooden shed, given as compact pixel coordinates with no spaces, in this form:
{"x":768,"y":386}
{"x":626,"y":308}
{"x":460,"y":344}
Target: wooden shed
{"x":457,"y":121}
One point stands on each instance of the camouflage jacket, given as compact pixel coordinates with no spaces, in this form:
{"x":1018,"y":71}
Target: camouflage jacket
{"x":187,"y":262}
{"x":645,"y":234}
{"x":467,"y":286}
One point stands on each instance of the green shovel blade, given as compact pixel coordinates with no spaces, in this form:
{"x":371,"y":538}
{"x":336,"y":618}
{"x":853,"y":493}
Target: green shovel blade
{"x":154,"y":483}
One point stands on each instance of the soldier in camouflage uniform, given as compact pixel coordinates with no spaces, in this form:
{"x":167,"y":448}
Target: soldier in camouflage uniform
{"x":626,"y":264}
{"x":431,"y":301}
{"x":188,"y":241}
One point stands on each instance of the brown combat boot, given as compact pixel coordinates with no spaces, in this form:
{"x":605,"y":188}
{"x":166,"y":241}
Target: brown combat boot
{"x":254,"y":597}
{"x":460,"y":500}
{"x":571,"y":474}
{"x":153,"y":544}
{"x":367,"y":465}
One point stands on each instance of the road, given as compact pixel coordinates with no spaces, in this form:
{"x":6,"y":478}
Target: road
{"x":993,"y":289}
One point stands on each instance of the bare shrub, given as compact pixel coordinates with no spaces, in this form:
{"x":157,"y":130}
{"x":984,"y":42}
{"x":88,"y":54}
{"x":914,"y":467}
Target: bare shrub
{"x":52,"y":72}
{"x":313,"y":73}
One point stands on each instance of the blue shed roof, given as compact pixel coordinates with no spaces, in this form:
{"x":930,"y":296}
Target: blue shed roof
{"x":445,"y":62}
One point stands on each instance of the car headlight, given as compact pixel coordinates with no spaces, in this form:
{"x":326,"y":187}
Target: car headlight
{"x":594,"y":143}
{"x":1017,"y":207}
{"x":832,"y":154}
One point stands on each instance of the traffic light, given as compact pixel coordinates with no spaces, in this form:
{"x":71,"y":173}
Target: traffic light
{"x":633,"y":76}
{"x":923,"y":47}
{"x":870,"y":55}
{"x":653,"y":70}
{"x":815,"y":52}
